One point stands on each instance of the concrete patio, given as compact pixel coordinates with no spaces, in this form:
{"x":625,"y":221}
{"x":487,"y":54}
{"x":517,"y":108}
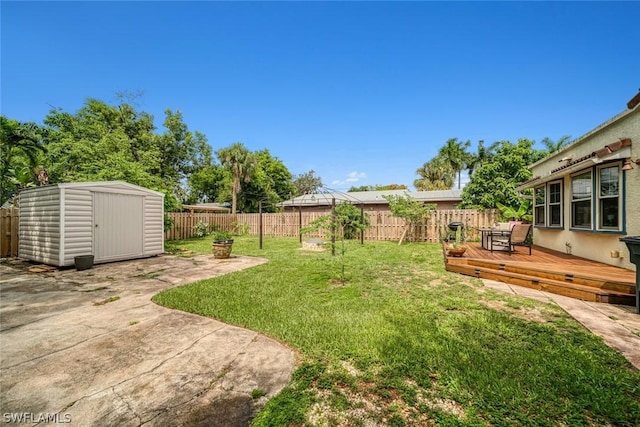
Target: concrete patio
{"x":90,"y":348}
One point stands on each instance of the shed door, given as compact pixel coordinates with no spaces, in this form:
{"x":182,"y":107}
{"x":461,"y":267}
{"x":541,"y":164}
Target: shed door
{"x":117,"y":225}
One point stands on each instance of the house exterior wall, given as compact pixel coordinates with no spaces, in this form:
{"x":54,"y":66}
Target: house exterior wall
{"x":597,"y":245}
{"x":40,"y":225}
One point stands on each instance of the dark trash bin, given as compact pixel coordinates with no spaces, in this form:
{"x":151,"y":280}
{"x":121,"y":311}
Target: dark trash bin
{"x":83,"y":262}
{"x":633,"y":244}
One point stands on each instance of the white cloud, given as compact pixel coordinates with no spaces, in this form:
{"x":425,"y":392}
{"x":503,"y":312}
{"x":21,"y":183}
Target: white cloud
{"x":351,"y":178}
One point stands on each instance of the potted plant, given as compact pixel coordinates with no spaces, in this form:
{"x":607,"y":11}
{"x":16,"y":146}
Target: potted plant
{"x":222,"y":244}
{"x":457,"y":248}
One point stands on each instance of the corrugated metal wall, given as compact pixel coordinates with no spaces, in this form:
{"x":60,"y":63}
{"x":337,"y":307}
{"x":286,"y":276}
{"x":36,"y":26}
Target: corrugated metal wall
{"x":40,"y":225}
{"x":153,"y":225}
{"x":78,"y":224}
{"x":58,"y":222}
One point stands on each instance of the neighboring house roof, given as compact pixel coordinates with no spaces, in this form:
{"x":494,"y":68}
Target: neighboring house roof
{"x":207,"y":207}
{"x":372,"y":197}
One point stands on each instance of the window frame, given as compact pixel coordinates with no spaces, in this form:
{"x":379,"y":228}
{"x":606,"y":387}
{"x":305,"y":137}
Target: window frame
{"x":547,"y":205}
{"x":599,"y":215}
{"x":574,"y":201}
{"x":595,"y":199}
{"x":559,"y":203}
{"x":542,"y":206}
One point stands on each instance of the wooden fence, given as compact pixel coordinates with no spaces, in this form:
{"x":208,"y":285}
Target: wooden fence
{"x":9,"y":227}
{"x":383,"y":225}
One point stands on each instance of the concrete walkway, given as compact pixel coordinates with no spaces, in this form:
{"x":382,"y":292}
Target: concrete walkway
{"x":91,"y":348}
{"x":617,"y":325}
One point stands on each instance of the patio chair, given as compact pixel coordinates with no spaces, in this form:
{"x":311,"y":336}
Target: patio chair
{"x":519,"y":236}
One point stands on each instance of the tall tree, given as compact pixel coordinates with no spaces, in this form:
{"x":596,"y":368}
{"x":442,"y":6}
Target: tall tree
{"x":435,"y":174}
{"x":307,"y":183}
{"x":207,"y":184}
{"x":377,"y":187}
{"x":271,"y":183}
{"x":117,"y":142}
{"x":496,"y":180}
{"x":553,"y":146}
{"x":21,"y":151}
{"x":241,"y":163}
{"x":481,"y":156}
{"x":455,"y":154}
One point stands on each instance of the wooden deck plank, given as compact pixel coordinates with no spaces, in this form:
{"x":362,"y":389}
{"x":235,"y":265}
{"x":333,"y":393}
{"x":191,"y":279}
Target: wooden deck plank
{"x":547,"y":270}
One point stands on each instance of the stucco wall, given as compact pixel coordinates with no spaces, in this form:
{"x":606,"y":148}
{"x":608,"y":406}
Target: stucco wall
{"x":589,"y":244}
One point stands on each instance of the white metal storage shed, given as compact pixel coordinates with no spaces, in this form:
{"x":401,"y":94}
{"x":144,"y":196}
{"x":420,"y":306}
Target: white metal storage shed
{"x":112,"y":221}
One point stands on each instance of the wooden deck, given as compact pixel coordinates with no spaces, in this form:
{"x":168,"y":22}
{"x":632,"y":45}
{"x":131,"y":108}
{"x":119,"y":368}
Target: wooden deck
{"x":549,"y":271}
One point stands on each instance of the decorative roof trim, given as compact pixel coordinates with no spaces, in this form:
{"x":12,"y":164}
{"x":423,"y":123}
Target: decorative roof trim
{"x":616,"y":150}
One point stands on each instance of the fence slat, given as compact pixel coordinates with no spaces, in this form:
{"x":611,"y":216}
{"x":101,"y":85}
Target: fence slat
{"x":9,"y":232}
{"x":384,"y":226}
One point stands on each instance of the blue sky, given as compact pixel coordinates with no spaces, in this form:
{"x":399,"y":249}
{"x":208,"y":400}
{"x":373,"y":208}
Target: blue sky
{"x":363,"y":92}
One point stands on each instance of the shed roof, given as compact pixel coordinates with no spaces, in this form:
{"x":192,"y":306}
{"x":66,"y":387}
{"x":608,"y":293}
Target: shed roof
{"x":99,"y":185}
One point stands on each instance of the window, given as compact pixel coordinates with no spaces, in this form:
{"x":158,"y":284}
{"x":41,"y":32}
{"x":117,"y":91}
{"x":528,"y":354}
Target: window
{"x":596,"y":193}
{"x":609,"y":198}
{"x":581,"y":200}
{"x":539,"y":206}
{"x":548,"y":205}
{"x":555,"y":204}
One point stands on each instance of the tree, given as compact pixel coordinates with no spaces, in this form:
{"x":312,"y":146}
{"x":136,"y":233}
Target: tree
{"x":454,"y":153}
{"x":181,"y":151}
{"x":21,"y":151}
{"x":391,"y":187}
{"x":208,"y":184}
{"x":553,"y":146}
{"x":482,"y":156}
{"x":354,"y":189}
{"x":496,"y":180}
{"x":307,"y":183}
{"x":115,"y":142}
{"x":241,"y":163}
{"x":271,"y":183}
{"x":435,"y":174}
{"x":387,"y":187}
{"x":410,"y":210}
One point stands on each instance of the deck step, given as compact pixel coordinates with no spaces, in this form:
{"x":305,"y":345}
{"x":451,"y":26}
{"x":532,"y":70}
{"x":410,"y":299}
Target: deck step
{"x":569,"y":289}
{"x":570,"y":278}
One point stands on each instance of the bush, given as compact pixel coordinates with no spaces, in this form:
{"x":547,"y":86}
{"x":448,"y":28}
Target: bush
{"x":201,"y":229}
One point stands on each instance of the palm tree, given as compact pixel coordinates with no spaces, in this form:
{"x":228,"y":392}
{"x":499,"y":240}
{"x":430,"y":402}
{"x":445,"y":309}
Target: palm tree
{"x":455,"y":154}
{"x":20,"y":148}
{"x":241,"y":162}
{"x":434,"y":175}
{"x":482,"y":156}
{"x":552,"y":146}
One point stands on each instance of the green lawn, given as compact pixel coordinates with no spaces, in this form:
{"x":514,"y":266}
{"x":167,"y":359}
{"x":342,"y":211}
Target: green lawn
{"x":403,"y":342}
